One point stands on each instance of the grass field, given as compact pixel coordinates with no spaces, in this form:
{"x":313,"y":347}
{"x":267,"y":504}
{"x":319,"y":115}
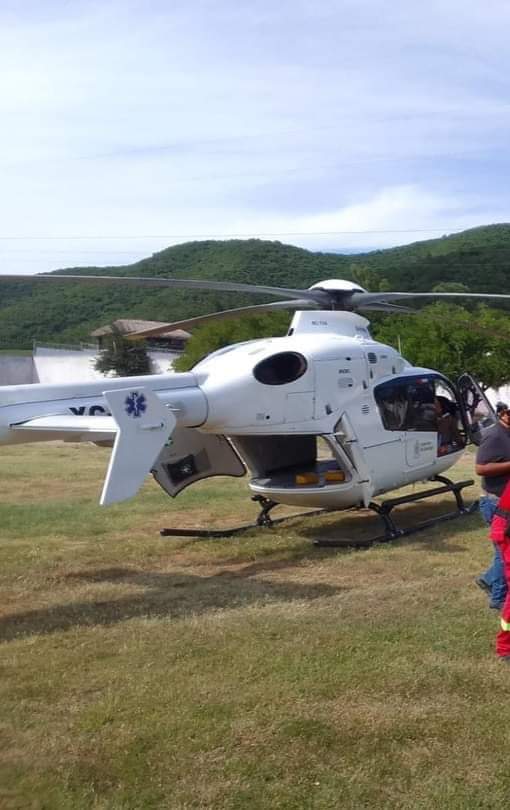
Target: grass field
{"x":259,"y":672}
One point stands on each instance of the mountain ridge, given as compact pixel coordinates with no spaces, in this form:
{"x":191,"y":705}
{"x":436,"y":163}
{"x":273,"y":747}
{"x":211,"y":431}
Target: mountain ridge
{"x":478,"y":257}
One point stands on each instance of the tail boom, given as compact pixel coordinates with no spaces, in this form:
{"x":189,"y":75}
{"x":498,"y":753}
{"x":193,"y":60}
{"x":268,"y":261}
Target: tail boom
{"x":79,"y":411}
{"x":137,"y":414}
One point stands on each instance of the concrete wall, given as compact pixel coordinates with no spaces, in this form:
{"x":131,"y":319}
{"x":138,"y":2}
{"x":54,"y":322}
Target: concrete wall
{"x":63,"y":365}
{"x":49,"y":365}
{"x":17,"y":370}
{"x":162,"y":361}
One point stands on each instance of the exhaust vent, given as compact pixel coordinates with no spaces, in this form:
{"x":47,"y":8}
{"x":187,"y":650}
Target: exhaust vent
{"x":280,"y":369}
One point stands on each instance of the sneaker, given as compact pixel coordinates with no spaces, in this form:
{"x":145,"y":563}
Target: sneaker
{"x":496,"y":605}
{"x":483,"y":584}
{"x":504,"y":658}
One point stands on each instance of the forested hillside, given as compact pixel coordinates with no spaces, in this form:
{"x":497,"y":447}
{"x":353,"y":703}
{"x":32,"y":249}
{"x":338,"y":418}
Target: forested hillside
{"x":478,"y":258}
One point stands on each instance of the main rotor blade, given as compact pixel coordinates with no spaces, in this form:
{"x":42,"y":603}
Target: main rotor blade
{"x":318,"y":296}
{"x":382,"y":306}
{"x":363,"y":298}
{"x":200,"y":320}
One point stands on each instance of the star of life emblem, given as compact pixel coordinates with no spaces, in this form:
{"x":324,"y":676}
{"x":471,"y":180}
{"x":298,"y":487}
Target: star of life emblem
{"x":136,"y":404}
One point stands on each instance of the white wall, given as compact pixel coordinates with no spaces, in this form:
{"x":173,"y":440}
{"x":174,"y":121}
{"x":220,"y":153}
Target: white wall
{"x":63,"y":365}
{"x":17,"y":370}
{"x":161,"y":361}
{"x":49,"y":365}
{"x":500,"y":395}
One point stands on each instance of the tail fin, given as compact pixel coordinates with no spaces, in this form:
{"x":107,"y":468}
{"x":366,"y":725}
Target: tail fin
{"x":144,"y":425}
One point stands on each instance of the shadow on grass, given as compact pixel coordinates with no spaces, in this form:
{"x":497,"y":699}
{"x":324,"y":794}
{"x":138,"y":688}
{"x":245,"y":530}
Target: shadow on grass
{"x":347,"y":527}
{"x":166,"y":596}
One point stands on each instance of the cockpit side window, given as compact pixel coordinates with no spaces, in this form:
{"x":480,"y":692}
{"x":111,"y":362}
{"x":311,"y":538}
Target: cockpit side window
{"x":422,"y":414}
{"x":422,"y":404}
{"x":393,"y":404}
{"x":408,"y":404}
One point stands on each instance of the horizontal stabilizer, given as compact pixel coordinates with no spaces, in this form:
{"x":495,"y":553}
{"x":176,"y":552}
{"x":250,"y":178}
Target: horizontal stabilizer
{"x":68,"y":427}
{"x":144,"y":425}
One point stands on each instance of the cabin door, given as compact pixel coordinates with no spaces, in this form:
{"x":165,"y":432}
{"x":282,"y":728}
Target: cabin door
{"x":479,"y":415}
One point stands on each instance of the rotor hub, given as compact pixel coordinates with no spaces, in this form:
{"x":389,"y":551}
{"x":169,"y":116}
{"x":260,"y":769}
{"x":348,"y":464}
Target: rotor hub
{"x":338,"y":291}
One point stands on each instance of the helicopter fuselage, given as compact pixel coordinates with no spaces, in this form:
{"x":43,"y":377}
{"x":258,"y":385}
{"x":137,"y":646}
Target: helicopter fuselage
{"x":299,"y":412}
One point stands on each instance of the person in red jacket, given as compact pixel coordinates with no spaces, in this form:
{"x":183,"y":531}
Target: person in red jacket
{"x":500,"y":534}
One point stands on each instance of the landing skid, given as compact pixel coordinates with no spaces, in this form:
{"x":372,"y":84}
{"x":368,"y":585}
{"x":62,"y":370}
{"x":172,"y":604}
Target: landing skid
{"x":391,"y":530}
{"x":264,"y":520}
{"x":384,"y":509}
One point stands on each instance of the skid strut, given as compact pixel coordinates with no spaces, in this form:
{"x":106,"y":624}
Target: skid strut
{"x":392,"y":531}
{"x":266,"y":505}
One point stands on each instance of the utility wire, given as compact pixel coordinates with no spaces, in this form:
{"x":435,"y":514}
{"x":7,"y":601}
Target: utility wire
{"x":236,"y":235}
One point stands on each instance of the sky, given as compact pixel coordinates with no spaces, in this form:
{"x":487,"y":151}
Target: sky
{"x":329,"y":124}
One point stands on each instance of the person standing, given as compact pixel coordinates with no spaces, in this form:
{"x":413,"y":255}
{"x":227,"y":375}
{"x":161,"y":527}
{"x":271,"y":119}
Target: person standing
{"x":500,"y":531}
{"x":493,"y":464}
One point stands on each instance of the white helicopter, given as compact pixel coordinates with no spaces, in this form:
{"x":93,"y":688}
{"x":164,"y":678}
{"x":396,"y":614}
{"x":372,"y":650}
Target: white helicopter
{"x":260,"y":407}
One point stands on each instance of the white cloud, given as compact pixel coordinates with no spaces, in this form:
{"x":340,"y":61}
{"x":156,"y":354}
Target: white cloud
{"x":192,"y":118}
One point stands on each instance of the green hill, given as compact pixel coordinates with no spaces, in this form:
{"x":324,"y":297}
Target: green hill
{"x":479,"y":258}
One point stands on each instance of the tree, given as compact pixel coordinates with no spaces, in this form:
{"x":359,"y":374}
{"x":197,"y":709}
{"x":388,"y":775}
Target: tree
{"x":454,"y":340}
{"x":126,"y":358}
{"x":369,"y":279}
{"x":450,"y":287}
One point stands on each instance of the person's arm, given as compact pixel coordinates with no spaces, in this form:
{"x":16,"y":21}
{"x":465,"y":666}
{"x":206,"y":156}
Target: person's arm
{"x":493,"y":468}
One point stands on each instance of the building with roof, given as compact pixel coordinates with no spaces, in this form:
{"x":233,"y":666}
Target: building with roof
{"x":174,"y":340}
{"x":57,"y":364}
